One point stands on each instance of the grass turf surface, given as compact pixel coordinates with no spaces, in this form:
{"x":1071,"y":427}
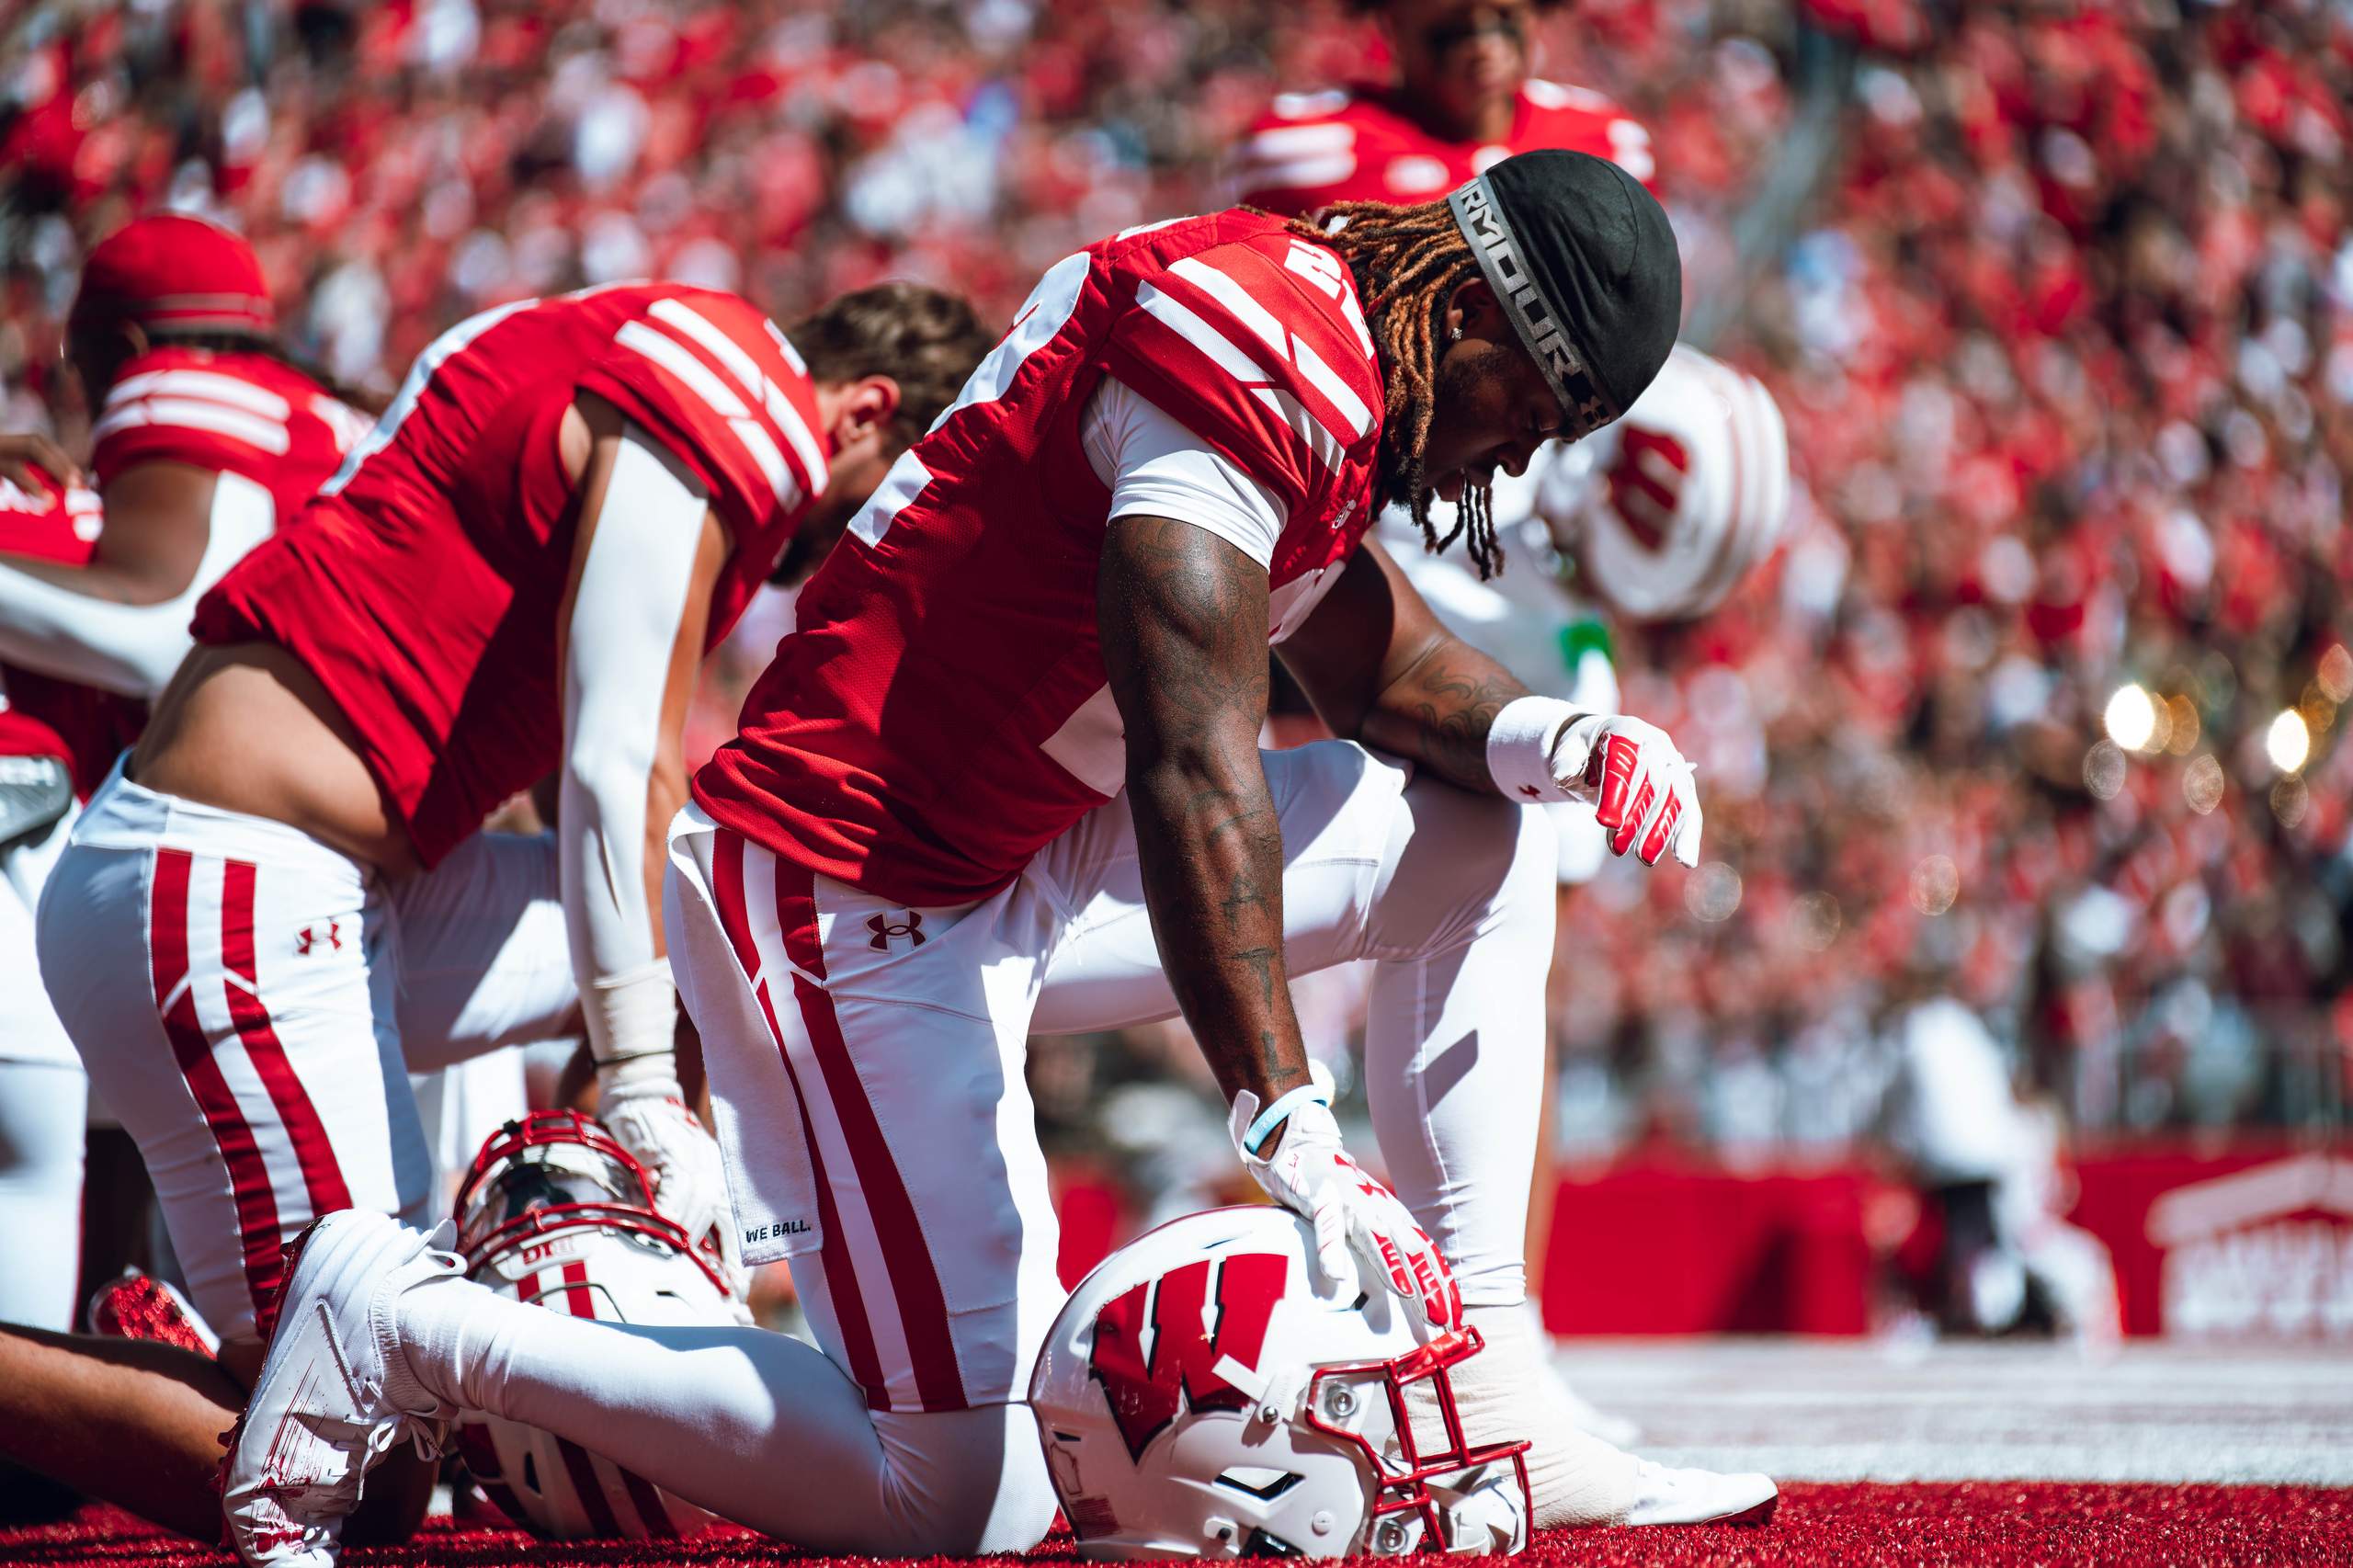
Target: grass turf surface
{"x":1970,"y":1522}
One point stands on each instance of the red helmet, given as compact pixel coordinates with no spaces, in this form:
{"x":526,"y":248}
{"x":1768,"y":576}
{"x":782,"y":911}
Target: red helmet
{"x":174,"y":271}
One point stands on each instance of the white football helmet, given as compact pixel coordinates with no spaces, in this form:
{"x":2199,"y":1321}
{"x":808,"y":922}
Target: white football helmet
{"x":1207,"y":1392}
{"x":1694,"y":494}
{"x":556,"y":1211}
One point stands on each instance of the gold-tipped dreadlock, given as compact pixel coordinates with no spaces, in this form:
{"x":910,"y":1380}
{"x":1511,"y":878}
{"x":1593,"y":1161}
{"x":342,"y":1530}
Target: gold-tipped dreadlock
{"x":1408,"y":261}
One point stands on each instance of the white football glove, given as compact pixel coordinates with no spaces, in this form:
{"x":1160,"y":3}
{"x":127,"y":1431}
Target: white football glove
{"x":1313,"y":1177}
{"x":1638,"y":784}
{"x":649,"y":1119}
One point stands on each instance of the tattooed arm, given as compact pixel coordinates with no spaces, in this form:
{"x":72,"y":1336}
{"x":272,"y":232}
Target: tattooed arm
{"x":1183,"y":617}
{"x":1381,"y":668}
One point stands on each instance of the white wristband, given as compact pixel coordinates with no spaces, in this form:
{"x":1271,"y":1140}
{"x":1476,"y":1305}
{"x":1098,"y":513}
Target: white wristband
{"x":632,"y":1020}
{"x":1521,"y":742}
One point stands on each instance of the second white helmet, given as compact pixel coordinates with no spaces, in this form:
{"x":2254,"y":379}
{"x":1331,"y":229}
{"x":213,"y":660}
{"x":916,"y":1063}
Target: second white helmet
{"x":1694,"y":493}
{"x":556,"y":1211}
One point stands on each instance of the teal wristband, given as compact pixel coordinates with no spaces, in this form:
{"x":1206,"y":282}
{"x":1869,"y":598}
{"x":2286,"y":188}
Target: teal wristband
{"x":1276,"y":1114}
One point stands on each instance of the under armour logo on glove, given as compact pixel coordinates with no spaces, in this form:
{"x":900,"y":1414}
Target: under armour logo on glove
{"x":884,"y":930}
{"x":306,"y":938}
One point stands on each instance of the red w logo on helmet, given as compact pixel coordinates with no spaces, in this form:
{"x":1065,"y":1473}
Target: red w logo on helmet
{"x":1646,"y":482}
{"x":1186,"y":1350}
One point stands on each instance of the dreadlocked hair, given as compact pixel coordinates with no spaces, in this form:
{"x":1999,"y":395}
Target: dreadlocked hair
{"x":1407,"y":262}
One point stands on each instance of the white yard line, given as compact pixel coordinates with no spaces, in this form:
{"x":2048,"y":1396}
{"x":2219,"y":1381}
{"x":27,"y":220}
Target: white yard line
{"x":1821,"y":1410}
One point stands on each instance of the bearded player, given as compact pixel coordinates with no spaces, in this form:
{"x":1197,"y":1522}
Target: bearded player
{"x":204,"y":437}
{"x":1005,"y":776}
{"x":516,"y":573}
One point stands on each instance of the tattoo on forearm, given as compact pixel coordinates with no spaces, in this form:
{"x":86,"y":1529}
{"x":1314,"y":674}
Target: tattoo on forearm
{"x":1456,"y":709}
{"x":1184,"y":618}
{"x":1439,"y":710}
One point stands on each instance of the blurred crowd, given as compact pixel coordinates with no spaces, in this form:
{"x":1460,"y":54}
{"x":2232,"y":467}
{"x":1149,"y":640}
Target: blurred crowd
{"x":2039,"y":708}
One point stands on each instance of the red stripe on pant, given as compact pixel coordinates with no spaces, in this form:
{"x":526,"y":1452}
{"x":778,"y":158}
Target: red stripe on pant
{"x":847,"y":1299}
{"x":249,"y":1185}
{"x":914,"y":1279}
{"x":577,"y":1462}
{"x":313,"y":1152}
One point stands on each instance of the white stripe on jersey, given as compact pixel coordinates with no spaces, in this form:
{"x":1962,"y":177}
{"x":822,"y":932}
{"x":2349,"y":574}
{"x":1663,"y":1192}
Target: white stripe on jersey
{"x":784,"y":346}
{"x":1236,"y":299}
{"x":677,"y":315}
{"x":190,"y":415}
{"x":1326,"y":380}
{"x":1179,"y":319}
{"x":674,"y":356}
{"x":208,"y":384}
{"x":419,"y":376}
{"x":1228,"y":291}
{"x":1129,"y":233}
{"x":1295,"y":414}
{"x":1298,"y":174}
{"x":1280,"y":143}
{"x":902,"y":484}
{"x":724,"y":349}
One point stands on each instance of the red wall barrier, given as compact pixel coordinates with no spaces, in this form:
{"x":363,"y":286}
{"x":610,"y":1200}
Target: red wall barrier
{"x":2254,"y":1240}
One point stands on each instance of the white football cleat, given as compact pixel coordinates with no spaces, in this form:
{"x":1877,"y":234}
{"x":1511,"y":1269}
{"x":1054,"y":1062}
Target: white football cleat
{"x":1665,"y":1497}
{"x":319,"y":1418}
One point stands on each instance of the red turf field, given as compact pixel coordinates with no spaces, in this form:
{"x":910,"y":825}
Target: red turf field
{"x":1969,"y":1523}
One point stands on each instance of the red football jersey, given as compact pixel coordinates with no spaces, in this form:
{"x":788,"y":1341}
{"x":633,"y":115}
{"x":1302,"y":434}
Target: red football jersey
{"x":1312,"y":148}
{"x":40,"y":715}
{"x":942,"y":712}
{"x":423,"y":586}
{"x":247,"y":414}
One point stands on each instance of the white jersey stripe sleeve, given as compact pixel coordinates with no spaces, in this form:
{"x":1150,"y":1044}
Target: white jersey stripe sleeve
{"x":219,"y":419}
{"x":679,"y":361}
{"x":1181,"y":320}
{"x":210,"y":385}
{"x":1236,"y":300}
{"x":681,"y":317}
{"x":1156,"y":467}
{"x":1301,"y":140}
{"x":1306,"y":425}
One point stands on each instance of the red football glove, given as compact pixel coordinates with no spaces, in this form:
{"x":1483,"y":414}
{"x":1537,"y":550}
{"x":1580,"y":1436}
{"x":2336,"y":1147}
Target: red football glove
{"x":1638,"y":784}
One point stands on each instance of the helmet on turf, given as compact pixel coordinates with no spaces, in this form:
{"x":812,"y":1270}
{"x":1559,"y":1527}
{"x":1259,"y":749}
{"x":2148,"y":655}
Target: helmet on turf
{"x":556,"y":1211}
{"x":1206,"y":1392}
{"x":1695,"y":495}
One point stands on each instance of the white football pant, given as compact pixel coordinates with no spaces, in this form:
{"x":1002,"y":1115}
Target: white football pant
{"x":866,"y":1064}
{"x":43,"y":1103}
{"x":241,"y":991}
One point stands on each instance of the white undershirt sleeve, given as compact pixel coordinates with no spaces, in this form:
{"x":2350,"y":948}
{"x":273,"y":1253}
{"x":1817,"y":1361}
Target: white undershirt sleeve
{"x":625,"y":620}
{"x":128,"y":649}
{"x":1154,"y":465}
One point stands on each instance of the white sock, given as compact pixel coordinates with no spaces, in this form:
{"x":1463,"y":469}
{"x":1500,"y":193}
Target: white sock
{"x":1504,"y":1394}
{"x":443,"y":1337}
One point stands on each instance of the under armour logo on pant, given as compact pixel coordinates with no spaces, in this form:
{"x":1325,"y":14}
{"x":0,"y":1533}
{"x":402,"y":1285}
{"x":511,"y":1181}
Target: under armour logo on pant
{"x":884,"y":930}
{"x":304,"y":939}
